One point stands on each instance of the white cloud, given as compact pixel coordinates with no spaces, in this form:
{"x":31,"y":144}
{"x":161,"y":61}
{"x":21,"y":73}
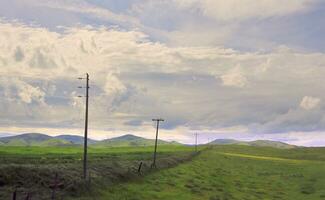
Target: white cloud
{"x":113,"y":85}
{"x":244,"y":9}
{"x":84,"y":7}
{"x":28,"y":93}
{"x":234,"y":78}
{"x":135,"y":78}
{"x":133,"y":75}
{"x":25,"y":93}
{"x":309,"y":103}
{"x":177,"y":22}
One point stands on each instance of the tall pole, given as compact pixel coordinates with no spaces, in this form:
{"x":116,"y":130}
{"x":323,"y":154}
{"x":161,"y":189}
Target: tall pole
{"x":153,"y":165}
{"x":196,"y":142}
{"x":86,"y":127}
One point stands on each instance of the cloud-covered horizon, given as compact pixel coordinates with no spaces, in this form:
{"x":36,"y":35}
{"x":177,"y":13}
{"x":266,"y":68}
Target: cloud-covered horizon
{"x":142,"y":67}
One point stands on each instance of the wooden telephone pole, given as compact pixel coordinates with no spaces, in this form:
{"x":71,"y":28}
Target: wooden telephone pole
{"x":153,"y":165}
{"x":86,"y":127}
{"x":196,"y":142}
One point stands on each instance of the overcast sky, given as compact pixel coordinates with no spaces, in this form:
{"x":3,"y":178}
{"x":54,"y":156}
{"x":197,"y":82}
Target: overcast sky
{"x":241,"y":69}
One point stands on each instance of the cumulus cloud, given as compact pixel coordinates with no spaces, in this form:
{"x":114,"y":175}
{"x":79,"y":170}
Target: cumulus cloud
{"x":244,"y":24}
{"x":134,"y":79}
{"x":234,"y":78}
{"x":301,"y":117}
{"x":21,"y":91}
{"x":237,"y":24}
{"x":84,"y":7}
{"x":241,"y":10}
{"x":309,"y":103}
{"x":28,"y":93}
{"x":113,"y":85}
{"x":165,"y":58}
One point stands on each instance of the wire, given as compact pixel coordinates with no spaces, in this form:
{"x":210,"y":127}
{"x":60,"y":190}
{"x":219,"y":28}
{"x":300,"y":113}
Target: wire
{"x":27,"y":76}
{"x":39,"y":76}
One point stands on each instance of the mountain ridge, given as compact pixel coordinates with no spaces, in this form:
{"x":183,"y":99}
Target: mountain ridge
{"x":39,"y":139}
{"x":75,"y":139}
{"x":132,"y":140}
{"x":260,"y":143}
{"x":31,"y":139}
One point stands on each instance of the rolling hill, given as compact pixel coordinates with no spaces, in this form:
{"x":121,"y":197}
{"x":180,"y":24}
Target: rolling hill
{"x":32,"y":139}
{"x":260,"y":143}
{"x":37,"y":139}
{"x":132,"y":140}
{"x":268,"y":143}
{"x":5,"y":135}
{"x":74,"y":139}
{"x":227,"y":141}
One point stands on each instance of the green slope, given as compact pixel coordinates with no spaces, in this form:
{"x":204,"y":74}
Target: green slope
{"x":54,"y":142}
{"x":28,"y":139}
{"x":228,"y":142}
{"x":16,"y":142}
{"x":260,"y":143}
{"x":131,"y":140}
{"x":74,"y":139}
{"x":37,"y":139}
{"x":234,"y":172}
{"x":33,"y":139}
{"x":275,"y":144}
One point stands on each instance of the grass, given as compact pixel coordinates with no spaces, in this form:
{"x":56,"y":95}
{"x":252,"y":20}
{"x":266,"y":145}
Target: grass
{"x":32,"y":169}
{"x":234,"y":172}
{"x":224,"y":172}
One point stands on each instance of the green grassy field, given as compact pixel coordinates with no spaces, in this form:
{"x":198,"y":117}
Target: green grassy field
{"x":233,"y":172}
{"x":32,"y":169}
{"x":223,"y":172}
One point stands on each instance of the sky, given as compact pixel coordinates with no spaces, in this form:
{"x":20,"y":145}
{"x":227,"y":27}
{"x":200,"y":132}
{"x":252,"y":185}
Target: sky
{"x":239,"y":69}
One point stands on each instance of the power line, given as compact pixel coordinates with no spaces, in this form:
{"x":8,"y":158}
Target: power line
{"x":44,"y":77}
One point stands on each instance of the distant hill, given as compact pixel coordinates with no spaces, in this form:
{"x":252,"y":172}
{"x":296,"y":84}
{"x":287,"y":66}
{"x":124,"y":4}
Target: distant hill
{"x":260,"y":143}
{"x":74,"y":139}
{"x":54,"y":142}
{"x":33,"y":139}
{"x":228,"y":141}
{"x":132,"y":140}
{"x":38,"y":139}
{"x":27,"y":139}
{"x":5,"y":135}
{"x":268,"y":143}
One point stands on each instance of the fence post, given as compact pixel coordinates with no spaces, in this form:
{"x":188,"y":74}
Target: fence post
{"x":28,"y":196}
{"x":89,"y":178}
{"x":54,"y":186}
{"x":139,"y":169}
{"x":14,"y":195}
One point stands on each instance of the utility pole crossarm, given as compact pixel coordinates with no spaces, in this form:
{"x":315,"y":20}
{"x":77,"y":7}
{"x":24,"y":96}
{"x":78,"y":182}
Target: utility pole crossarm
{"x":158,"y":119}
